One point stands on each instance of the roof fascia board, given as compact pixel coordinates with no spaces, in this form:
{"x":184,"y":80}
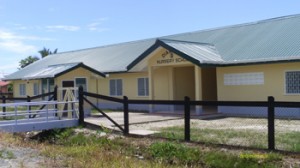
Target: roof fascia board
{"x":179,"y":53}
{"x":143,"y":55}
{"x":157,"y":44}
{"x":258,"y":63}
{"x":81,"y":65}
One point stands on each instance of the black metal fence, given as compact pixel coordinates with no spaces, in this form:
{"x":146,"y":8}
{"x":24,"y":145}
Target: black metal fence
{"x":269,"y":107}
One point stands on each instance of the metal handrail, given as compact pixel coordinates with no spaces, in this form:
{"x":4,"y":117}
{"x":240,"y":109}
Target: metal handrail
{"x":24,"y":114}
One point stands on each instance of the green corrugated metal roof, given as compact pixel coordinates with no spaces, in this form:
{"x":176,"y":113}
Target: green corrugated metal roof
{"x":203,"y":52}
{"x":272,"y":39}
{"x":263,"y":41}
{"x":197,"y":53}
{"x":50,"y":71}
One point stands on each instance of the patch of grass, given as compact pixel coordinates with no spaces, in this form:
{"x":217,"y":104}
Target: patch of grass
{"x":70,"y":148}
{"x":178,"y":154}
{"x":253,"y":160}
{"x":286,"y":141}
{"x":6,"y":154}
{"x":218,"y":136}
{"x":174,"y":153}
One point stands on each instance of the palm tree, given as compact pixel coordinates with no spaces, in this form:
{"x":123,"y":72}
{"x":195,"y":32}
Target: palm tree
{"x":45,"y":52}
{"x":28,"y":60}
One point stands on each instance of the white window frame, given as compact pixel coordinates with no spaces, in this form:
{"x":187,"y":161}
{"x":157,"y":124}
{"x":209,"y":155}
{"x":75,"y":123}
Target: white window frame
{"x":246,"y":78}
{"x":77,"y":87}
{"x":285,"y":84}
{"x":48,"y":87}
{"x":36,"y":89}
{"x":144,"y":87}
{"x":116,"y":87}
{"x":22,"y":89}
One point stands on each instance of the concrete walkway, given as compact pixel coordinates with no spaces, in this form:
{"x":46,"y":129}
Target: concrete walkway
{"x":142,"y":123}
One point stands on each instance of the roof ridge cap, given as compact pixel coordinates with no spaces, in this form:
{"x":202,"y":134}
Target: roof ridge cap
{"x":184,"y":41}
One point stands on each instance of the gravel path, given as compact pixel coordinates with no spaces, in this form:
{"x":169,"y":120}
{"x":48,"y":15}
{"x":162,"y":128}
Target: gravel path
{"x":148,"y":121}
{"x":19,"y":157}
{"x":255,"y":124}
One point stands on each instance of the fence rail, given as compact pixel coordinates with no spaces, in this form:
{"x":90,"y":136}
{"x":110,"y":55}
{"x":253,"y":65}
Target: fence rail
{"x":187,"y":103}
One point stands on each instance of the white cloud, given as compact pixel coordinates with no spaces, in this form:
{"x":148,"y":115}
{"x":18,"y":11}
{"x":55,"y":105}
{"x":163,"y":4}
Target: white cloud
{"x":96,"y":25}
{"x":10,"y":66}
{"x":18,"y":47}
{"x":7,"y":35}
{"x":15,"y":43}
{"x":62,"y":27}
{"x":6,"y":69}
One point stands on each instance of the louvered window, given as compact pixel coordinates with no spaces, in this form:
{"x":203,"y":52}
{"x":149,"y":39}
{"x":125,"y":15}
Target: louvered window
{"x":116,"y":88}
{"x":22,"y":89}
{"x":143,"y":87}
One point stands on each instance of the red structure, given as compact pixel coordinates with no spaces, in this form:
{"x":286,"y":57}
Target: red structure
{"x":4,"y":87}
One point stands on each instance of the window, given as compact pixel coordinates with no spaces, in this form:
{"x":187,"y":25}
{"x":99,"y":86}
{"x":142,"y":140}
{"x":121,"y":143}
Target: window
{"x":36,"y":89}
{"x":292,"y":82}
{"x":22,"y":89}
{"x":116,"y":88}
{"x":235,"y":79}
{"x":143,"y":87}
{"x":47,"y":86}
{"x":81,"y":82}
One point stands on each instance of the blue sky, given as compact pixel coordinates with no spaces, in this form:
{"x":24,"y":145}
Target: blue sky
{"x":26,"y":26}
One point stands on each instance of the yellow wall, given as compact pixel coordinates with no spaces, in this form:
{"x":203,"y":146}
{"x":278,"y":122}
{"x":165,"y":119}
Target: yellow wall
{"x":184,"y":82}
{"x":78,"y":73}
{"x":162,"y":87}
{"x":130,"y":85}
{"x":29,"y":87}
{"x":164,"y":58}
{"x":165,"y":74}
{"x":274,"y":83}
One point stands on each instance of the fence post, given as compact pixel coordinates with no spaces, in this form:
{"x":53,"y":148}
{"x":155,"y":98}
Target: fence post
{"x":81,"y":111}
{"x":55,"y":99}
{"x":271,"y":127}
{"x":3,"y":108}
{"x":187,"y":117}
{"x":126,"y":118}
{"x":55,"y":93}
{"x":29,"y":107}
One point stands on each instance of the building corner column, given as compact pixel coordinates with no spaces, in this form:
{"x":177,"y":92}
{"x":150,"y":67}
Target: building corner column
{"x":151,"y":90}
{"x":198,"y":88}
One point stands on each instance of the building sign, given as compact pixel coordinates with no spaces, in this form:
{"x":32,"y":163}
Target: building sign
{"x":168,"y":57}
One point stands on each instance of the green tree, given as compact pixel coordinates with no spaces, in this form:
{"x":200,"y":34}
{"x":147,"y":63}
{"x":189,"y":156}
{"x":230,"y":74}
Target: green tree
{"x":28,"y":60}
{"x":45,"y":52}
